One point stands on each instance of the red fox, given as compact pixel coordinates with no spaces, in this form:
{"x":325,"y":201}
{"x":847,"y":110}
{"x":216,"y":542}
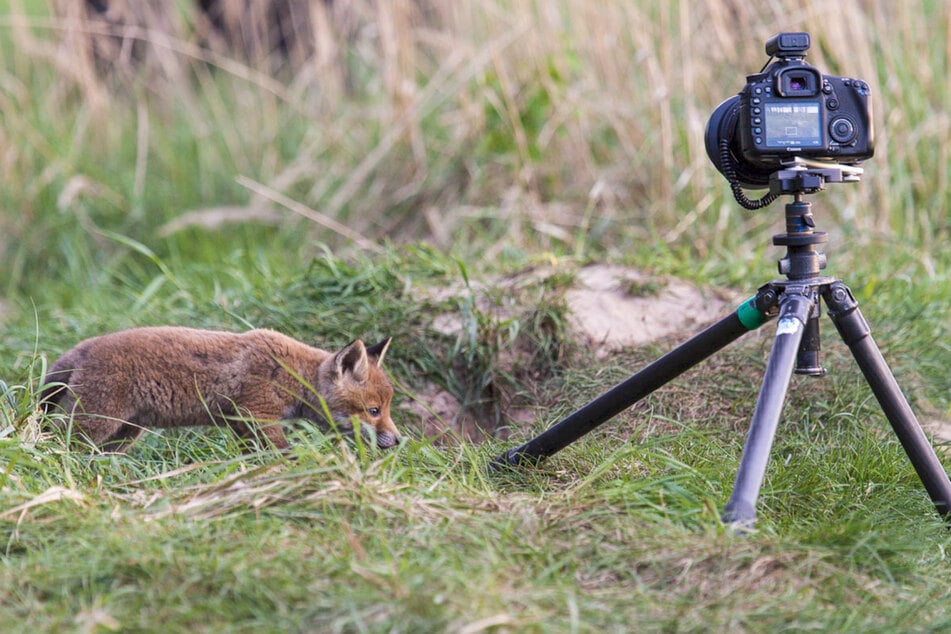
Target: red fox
{"x":118,"y":385}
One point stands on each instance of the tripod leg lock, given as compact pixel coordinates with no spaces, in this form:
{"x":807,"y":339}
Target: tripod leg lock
{"x":760,"y":308}
{"x":843,"y":309}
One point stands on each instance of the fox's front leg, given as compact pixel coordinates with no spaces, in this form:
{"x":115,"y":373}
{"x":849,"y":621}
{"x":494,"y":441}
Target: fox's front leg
{"x":250,"y":431}
{"x":258,"y":423}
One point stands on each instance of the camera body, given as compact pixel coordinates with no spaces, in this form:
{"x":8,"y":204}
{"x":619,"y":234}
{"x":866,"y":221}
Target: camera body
{"x":790,"y":110}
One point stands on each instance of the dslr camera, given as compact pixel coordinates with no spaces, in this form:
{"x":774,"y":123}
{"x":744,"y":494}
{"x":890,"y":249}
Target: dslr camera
{"x":788,"y":111}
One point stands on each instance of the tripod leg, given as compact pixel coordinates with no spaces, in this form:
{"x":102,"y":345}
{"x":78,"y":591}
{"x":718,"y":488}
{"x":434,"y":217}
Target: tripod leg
{"x":748,"y":316}
{"x":795,"y":307}
{"x":855,"y":332}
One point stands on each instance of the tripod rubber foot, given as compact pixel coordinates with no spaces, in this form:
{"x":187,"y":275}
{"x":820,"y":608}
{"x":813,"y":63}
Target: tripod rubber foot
{"x":508,"y":460}
{"x":740,"y":516}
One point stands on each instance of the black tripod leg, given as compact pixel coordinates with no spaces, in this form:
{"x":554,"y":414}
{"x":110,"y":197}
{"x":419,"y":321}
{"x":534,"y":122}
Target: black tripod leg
{"x":844,"y":311}
{"x":750,"y":315}
{"x":795,"y":307}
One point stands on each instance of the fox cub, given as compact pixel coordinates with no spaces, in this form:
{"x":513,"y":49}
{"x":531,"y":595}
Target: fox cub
{"x":118,"y":385}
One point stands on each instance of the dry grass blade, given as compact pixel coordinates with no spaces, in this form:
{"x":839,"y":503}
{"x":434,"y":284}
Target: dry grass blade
{"x":216,"y":217}
{"x":303,"y":210}
{"x":50,"y":495}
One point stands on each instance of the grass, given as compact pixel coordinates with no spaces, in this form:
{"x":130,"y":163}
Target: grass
{"x":423,"y":540}
{"x":510,"y":142}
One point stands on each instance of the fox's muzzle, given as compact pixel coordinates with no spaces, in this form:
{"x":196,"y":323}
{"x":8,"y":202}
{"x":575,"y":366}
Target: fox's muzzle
{"x":386,"y":440}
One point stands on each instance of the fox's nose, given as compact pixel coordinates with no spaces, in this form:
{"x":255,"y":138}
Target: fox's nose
{"x":386,"y":440}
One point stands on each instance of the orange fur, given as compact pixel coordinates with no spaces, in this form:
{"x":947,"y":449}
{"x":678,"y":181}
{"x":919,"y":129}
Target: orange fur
{"x":118,"y":385}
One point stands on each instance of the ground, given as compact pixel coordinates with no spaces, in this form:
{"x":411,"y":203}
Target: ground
{"x":609,"y":308}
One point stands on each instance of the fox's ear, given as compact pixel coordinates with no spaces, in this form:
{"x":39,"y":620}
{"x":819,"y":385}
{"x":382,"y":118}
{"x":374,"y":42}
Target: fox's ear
{"x":377,"y":351}
{"x":353,"y":360}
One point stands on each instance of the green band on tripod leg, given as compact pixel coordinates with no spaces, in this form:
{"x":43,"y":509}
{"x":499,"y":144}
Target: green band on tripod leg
{"x":749,"y":315}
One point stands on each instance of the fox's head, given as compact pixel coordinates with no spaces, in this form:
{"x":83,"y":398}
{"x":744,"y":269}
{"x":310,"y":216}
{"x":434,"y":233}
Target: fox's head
{"x":353,"y":385}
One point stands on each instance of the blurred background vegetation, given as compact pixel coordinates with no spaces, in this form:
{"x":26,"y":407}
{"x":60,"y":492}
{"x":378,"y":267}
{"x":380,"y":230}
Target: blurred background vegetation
{"x":491,"y":129}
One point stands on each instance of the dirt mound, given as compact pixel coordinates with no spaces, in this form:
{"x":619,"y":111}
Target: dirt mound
{"x":609,"y":308}
{"x":615,"y":307}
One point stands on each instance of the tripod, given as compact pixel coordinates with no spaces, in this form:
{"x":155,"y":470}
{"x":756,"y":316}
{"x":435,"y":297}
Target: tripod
{"x":795,"y":301}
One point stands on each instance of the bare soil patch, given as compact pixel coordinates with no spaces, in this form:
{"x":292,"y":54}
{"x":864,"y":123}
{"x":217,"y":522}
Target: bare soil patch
{"x":609,"y":308}
{"x":614,"y":307}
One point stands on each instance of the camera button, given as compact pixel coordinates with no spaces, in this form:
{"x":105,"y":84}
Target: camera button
{"x":832,"y":103}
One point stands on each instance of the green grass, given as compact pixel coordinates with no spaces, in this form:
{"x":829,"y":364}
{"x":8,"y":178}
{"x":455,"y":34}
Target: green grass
{"x":529,"y":148}
{"x":424,"y":540}
{"x":622,"y":527}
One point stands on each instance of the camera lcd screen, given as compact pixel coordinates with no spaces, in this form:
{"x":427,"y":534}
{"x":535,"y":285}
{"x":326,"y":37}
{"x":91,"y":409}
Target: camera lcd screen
{"x":793,"y":124}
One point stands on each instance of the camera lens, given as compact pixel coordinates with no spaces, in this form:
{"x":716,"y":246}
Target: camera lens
{"x":722,"y":125}
{"x":722,"y":128}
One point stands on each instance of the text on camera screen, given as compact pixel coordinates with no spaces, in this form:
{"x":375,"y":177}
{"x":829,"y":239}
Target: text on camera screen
{"x":793,"y":124}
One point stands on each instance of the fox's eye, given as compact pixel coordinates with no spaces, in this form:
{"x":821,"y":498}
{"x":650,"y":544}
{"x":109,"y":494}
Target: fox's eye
{"x":373,"y":411}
